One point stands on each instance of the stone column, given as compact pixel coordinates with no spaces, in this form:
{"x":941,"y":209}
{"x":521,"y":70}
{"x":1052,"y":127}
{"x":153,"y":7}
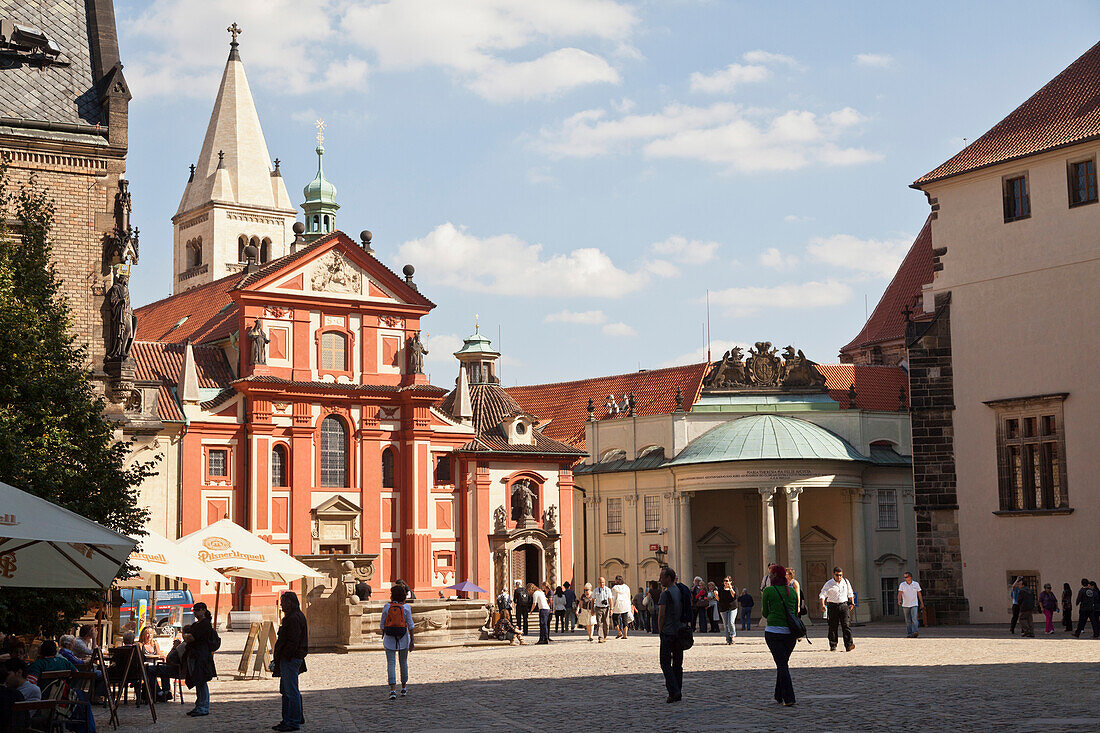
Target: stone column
{"x":767,"y":518}
{"x":631,"y":512}
{"x":857,"y":575}
{"x":794,"y":532}
{"x":686,"y":536}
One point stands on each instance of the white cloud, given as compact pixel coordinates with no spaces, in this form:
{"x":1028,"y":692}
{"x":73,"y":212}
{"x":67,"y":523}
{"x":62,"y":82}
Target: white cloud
{"x":661,"y":268}
{"x":619,"y":329}
{"x":875,"y":257}
{"x":767,"y":57}
{"x":544,"y":77}
{"x":737,"y":138}
{"x":727,"y":79}
{"x":776,"y":260}
{"x":687,"y":251}
{"x":585,"y":318}
{"x":796,"y":218}
{"x":506,"y":265}
{"x":746,"y":301}
{"x":441,"y":348}
{"x":874,"y":60}
{"x":500,"y":49}
{"x":698,"y":356}
{"x":470,"y":39}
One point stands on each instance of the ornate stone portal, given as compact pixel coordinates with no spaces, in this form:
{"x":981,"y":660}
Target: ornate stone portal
{"x":764,"y":371}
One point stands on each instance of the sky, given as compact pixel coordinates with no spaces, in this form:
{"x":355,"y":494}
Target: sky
{"x":579,"y":174}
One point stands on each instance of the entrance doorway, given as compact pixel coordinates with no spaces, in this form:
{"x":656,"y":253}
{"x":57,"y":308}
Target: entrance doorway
{"x":531,"y":565}
{"x":716,"y":573}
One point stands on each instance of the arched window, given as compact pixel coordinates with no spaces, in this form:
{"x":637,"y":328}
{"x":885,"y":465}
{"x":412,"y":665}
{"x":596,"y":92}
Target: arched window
{"x":278,"y":466}
{"x":333,"y":452}
{"x":242,"y":242}
{"x":316,"y":223}
{"x":334,"y":349}
{"x":326,"y":222}
{"x":387,"y":468}
{"x":265,"y":250}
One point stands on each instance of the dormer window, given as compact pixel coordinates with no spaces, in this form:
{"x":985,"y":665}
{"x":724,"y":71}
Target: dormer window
{"x":519,"y":429}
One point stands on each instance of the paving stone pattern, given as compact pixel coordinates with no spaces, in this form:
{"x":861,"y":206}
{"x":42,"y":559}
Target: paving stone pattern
{"x":950,"y":679}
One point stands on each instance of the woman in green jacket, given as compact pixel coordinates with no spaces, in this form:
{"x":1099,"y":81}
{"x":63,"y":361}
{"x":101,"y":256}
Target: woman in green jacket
{"x":777,"y":635}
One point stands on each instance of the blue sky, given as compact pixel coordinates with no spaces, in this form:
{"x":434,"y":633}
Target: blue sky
{"x":581,"y":172}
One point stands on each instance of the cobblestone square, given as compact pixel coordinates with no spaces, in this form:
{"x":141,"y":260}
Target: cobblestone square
{"x":951,"y":678}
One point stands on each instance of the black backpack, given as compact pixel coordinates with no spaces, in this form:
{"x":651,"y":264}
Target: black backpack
{"x":685,"y":635}
{"x":523,"y":598}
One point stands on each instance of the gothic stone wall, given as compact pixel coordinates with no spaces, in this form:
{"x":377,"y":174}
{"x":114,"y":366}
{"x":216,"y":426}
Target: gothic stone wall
{"x":82,"y":186}
{"x":931,"y":388}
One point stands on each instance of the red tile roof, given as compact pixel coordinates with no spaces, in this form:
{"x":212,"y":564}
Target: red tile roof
{"x":565,"y":404}
{"x":887,"y":322}
{"x":1064,"y":112}
{"x":208,"y":314}
{"x":161,"y":362}
{"x":491,"y":404}
{"x":877,"y":387}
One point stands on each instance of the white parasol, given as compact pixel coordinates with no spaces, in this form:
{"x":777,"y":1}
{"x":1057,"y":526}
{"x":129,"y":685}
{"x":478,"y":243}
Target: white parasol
{"x":159,"y":555}
{"x":233,"y":550}
{"x":43,"y":545}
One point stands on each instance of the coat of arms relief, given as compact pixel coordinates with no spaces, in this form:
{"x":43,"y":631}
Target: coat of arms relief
{"x":334,"y":273}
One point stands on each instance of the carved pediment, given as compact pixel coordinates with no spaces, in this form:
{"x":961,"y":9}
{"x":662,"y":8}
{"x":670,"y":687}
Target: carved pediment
{"x":335,"y":507}
{"x":335,"y":273}
{"x":764,"y":370}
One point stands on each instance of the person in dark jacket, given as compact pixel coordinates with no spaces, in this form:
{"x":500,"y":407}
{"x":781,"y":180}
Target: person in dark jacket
{"x":1026,"y":600}
{"x":290,"y":660}
{"x":200,"y":658}
{"x":1088,"y":608}
{"x":1067,"y":607}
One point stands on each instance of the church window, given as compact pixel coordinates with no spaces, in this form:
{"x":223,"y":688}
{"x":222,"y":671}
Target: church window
{"x":615,"y":515}
{"x":442,"y":469}
{"x":334,"y":348}
{"x":652,"y":513}
{"x":387,"y":468}
{"x":217,"y":463}
{"x":887,"y":509}
{"x":316,"y":223}
{"x":278,"y":466}
{"x":1082,"y":182}
{"x":1017,"y":203}
{"x":1031,"y":454}
{"x":242,"y":242}
{"x":326,"y":222}
{"x":333,"y":450}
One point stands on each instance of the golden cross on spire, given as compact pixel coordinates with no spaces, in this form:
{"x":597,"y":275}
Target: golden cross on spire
{"x":320,"y":125}
{"x":477,"y":323}
{"x":234,"y":30}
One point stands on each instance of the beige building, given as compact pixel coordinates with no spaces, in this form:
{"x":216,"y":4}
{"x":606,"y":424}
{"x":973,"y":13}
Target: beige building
{"x":717,"y":469}
{"x":1004,"y":405}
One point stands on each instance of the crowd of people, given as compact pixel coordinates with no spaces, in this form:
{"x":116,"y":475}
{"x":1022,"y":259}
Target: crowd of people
{"x":1025,"y":602}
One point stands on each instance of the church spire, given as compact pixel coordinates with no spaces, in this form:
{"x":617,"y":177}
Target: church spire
{"x":320,"y":205}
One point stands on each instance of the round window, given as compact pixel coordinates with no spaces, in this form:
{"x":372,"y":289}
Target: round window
{"x":521,"y":428}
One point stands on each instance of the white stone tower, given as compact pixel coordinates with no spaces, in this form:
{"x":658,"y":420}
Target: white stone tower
{"x":234,"y":196}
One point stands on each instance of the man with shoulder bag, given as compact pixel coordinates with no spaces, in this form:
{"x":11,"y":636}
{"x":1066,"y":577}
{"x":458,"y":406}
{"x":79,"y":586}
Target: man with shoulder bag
{"x":523,"y":603}
{"x":674,"y":623}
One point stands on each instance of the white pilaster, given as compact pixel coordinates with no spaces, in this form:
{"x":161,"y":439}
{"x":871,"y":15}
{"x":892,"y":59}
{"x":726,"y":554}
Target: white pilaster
{"x":794,"y":531}
{"x":767,"y":518}
{"x":858,"y":574}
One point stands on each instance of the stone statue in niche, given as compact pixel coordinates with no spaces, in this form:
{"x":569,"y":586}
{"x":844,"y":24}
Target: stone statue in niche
{"x":523,"y":501}
{"x":550,"y":518}
{"x":416,"y":351}
{"x":259,"y":341}
{"x":122,"y":324}
{"x":499,"y":517}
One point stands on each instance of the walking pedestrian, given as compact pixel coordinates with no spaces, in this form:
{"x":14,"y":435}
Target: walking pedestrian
{"x":201,"y":644}
{"x":620,"y":606}
{"x":1026,"y":600}
{"x":570,"y":606}
{"x":1088,"y":601}
{"x":586,"y":611}
{"x":766,"y":580}
{"x":641,"y":622}
{"x":673,"y":608}
{"x":837,"y":601}
{"x":777,"y":599}
{"x":542,"y":603}
{"x":289,"y":660}
{"x":601,"y":600}
{"x":1067,"y":607}
{"x":522,"y":598}
{"x":912,"y":603}
{"x":793,"y":583}
{"x":1013,"y":594}
{"x":1048,"y":604}
{"x":712,"y":606}
{"x":559,"y":610}
{"x":727,"y":608}
{"x":746,"y":602}
{"x":700,"y":604}
{"x":397,"y":638}
{"x":653,"y":597}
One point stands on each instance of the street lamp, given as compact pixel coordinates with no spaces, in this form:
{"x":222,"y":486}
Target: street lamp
{"x":660,"y":553}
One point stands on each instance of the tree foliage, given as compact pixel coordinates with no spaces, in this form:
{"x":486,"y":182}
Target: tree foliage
{"x":54,"y":440}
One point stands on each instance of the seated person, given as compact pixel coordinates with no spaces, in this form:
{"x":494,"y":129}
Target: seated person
{"x":65,"y":649}
{"x":506,"y":630}
{"x":14,"y":648}
{"x":48,"y":661}
{"x":16,"y":670}
{"x":85,"y":642}
{"x":15,"y":689}
{"x":125,"y":664}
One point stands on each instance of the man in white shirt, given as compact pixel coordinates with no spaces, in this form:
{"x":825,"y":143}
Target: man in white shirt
{"x":837,"y":601}
{"x":912,"y":603}
{"x":542,"y":603}
{"x":601,"y":601}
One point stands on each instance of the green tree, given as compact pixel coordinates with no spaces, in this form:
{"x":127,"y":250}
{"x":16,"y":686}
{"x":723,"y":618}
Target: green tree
{"x":54,"y":440}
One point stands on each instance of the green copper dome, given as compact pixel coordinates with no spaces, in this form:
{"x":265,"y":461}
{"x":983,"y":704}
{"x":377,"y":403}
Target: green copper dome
{"x":320,"y":205}
{"x":767,"y":437}
{"x":475,"y":343}
{"x":320,"y":189}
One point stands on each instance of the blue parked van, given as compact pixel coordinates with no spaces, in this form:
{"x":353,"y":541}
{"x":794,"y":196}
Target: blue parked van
{"x":171,"y":604}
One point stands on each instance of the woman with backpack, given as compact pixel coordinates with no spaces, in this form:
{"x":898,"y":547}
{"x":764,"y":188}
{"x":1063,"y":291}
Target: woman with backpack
{"x":397,"y":631}
{"x":778,"y":599}
{"x":202,"y":642}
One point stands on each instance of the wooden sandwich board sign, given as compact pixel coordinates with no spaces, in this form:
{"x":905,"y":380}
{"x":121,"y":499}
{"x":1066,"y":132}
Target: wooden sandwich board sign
{"x":261,"y":636}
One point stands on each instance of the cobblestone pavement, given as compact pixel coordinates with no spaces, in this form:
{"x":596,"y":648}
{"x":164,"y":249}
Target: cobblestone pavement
{"x":951,"y":678}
